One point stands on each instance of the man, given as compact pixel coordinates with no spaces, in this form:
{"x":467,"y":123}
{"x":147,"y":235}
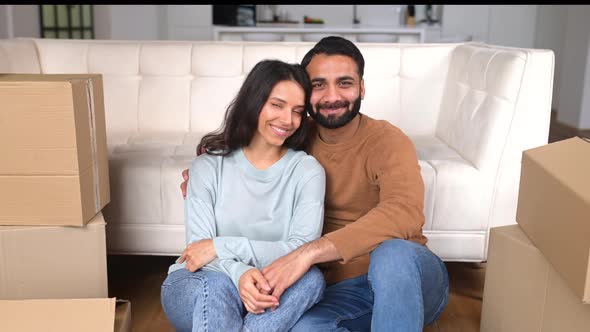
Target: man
{"x":379,"y":272}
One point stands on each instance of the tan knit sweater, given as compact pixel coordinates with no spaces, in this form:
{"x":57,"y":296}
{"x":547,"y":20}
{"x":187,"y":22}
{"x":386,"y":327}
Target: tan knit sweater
{"x":374,"y":192}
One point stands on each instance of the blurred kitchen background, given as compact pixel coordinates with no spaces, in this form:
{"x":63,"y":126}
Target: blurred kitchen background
{"x":563,"y":28}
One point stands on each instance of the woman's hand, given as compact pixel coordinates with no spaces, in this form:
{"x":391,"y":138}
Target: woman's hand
{"x":198,"y":254}
{"x":254,"y":290}
{"x":184,"y":183}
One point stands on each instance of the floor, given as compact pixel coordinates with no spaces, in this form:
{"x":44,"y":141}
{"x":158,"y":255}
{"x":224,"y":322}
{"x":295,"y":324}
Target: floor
{"x":138,"y":279}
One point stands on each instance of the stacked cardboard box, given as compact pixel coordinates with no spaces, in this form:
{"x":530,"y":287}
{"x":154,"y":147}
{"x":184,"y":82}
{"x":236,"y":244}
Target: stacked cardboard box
{"x":53,"y":186}
{"x":538,"y":273}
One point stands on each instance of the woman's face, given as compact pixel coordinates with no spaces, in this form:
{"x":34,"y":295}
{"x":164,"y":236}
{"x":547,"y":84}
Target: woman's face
{"x":281,"y":114}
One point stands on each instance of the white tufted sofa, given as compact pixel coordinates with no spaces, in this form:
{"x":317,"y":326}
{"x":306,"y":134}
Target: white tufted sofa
{"x":471,"y":109}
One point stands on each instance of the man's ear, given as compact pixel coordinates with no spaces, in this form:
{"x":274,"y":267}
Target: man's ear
{"x":362,"y":89}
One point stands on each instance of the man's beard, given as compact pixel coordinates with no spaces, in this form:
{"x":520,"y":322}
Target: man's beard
{"x":333,"y":121}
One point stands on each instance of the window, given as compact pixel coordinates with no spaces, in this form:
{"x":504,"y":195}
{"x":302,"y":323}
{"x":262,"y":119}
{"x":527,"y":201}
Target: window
{"x":66,"y":21}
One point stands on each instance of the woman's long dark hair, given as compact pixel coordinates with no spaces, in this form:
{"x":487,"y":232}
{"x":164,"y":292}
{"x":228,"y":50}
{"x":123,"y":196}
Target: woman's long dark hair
{"x":241,"y":117}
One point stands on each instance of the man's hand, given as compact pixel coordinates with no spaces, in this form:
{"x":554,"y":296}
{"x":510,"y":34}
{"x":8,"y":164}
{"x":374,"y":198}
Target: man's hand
{"x":198,"y":254}
{"x":286,"y":270}
{"x":184,"y":183}
{"x":256,"y":301}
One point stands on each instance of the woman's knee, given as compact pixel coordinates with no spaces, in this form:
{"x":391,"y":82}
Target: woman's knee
{"x":313,"y":280}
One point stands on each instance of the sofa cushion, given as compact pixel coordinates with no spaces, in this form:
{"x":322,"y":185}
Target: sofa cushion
{"x":458,"y":191}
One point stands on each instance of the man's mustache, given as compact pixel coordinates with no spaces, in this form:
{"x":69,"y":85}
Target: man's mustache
{"x":337,"y":104}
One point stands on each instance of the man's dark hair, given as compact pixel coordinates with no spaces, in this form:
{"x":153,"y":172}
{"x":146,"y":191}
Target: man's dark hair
{"x":334,"y":45}
{"x":241,"y":117}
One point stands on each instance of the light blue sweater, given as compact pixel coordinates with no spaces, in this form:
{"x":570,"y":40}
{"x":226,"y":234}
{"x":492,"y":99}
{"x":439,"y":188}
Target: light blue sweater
{"x":253,"y":216}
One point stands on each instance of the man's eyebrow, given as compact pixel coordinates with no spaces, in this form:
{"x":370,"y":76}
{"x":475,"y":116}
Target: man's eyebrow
{"x":318,"y":79}
{"x":345,"y":78}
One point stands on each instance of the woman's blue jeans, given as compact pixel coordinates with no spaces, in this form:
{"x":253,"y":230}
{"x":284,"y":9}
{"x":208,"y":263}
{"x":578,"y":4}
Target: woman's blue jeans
{"x":407,"y":287}
{"x":209,"y":301}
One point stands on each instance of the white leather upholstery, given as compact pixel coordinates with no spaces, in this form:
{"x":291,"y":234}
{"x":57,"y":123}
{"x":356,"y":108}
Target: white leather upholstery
{"x":471,"y":109}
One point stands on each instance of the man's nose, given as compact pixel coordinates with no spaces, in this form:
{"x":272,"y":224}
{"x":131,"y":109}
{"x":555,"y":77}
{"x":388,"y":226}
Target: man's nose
{"x":332,"y":94}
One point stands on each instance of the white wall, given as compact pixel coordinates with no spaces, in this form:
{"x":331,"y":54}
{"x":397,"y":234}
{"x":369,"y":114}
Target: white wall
{"x":102,"y":21}
{"x":189,"y":22}
{"x":549,"y":34}
{"x":506,"y":25}
{"x":461,"y":20}
{"x":574,"y":62}
{"x":512,"y":25}
{"x":133,"y":22}
{"x":26,"y":21}
{"x":6,"y":25}
{"x":584,"y":121}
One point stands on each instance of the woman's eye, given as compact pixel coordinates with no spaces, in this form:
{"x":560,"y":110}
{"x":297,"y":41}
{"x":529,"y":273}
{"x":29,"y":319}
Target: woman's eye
{"x":276,"y":105}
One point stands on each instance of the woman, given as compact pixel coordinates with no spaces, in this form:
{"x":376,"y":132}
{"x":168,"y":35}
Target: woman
{"x":253,"y":196}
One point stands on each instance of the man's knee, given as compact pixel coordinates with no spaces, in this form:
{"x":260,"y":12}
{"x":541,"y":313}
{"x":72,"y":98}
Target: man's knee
{"x":395,"y":250}
{"x":393,"y":257}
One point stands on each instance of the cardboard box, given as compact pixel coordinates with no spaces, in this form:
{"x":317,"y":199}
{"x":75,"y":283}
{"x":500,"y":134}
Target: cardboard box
{"x":523,"y":292}
{"x":554,"y":208}
{"x":52,"y":262}
{"x":66,"y":315}
{"x":123,"y":320}
{"x":54,"y":168}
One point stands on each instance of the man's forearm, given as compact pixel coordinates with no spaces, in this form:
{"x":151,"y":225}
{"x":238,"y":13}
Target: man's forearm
{"x":320,"y":251}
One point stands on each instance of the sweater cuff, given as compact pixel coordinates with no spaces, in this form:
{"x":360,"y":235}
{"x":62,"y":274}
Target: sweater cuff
{"x":237,"y":271}
{"x":221,"y":248}
{"x":341,"y":241}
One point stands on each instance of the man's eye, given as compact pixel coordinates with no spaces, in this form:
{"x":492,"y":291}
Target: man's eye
{"x":346,"y":83}
{"x":316,"y":85}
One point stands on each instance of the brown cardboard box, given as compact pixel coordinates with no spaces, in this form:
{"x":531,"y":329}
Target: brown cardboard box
{"x":523,"y":292}
{"x":554,"y":208}
{"x":54,"y":168}
{"x":65,"y":315}
{"x":53,"y":262}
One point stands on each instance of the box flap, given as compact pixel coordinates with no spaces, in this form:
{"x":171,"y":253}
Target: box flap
{"x":123,"y":316}
{"x":69,"y":315}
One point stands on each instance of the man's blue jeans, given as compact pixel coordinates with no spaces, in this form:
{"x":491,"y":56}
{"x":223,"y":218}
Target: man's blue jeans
{"x":407,"y":287}
{"x":209,"y":301}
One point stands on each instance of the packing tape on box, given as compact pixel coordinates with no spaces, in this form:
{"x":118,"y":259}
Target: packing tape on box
{"x":93,"y":144}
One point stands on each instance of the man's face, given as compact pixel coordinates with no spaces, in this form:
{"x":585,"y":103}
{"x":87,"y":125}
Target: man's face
{"x":337,"y":89}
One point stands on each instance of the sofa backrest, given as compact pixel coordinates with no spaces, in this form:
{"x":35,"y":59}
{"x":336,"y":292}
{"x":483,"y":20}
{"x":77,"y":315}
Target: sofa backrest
{"x":173,"y":86}
{"x":477,"y":98}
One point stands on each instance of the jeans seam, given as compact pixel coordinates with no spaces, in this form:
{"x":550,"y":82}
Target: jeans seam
{"x":205,"y":299}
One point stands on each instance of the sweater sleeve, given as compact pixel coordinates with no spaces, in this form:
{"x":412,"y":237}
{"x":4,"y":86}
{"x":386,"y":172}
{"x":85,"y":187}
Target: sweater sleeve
{"x":393,"y":164}
{"x":305,"y":226}
{"x":200,"y":216}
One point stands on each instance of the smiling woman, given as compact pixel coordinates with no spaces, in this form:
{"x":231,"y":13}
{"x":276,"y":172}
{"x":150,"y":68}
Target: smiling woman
{"x":253,"y":196}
